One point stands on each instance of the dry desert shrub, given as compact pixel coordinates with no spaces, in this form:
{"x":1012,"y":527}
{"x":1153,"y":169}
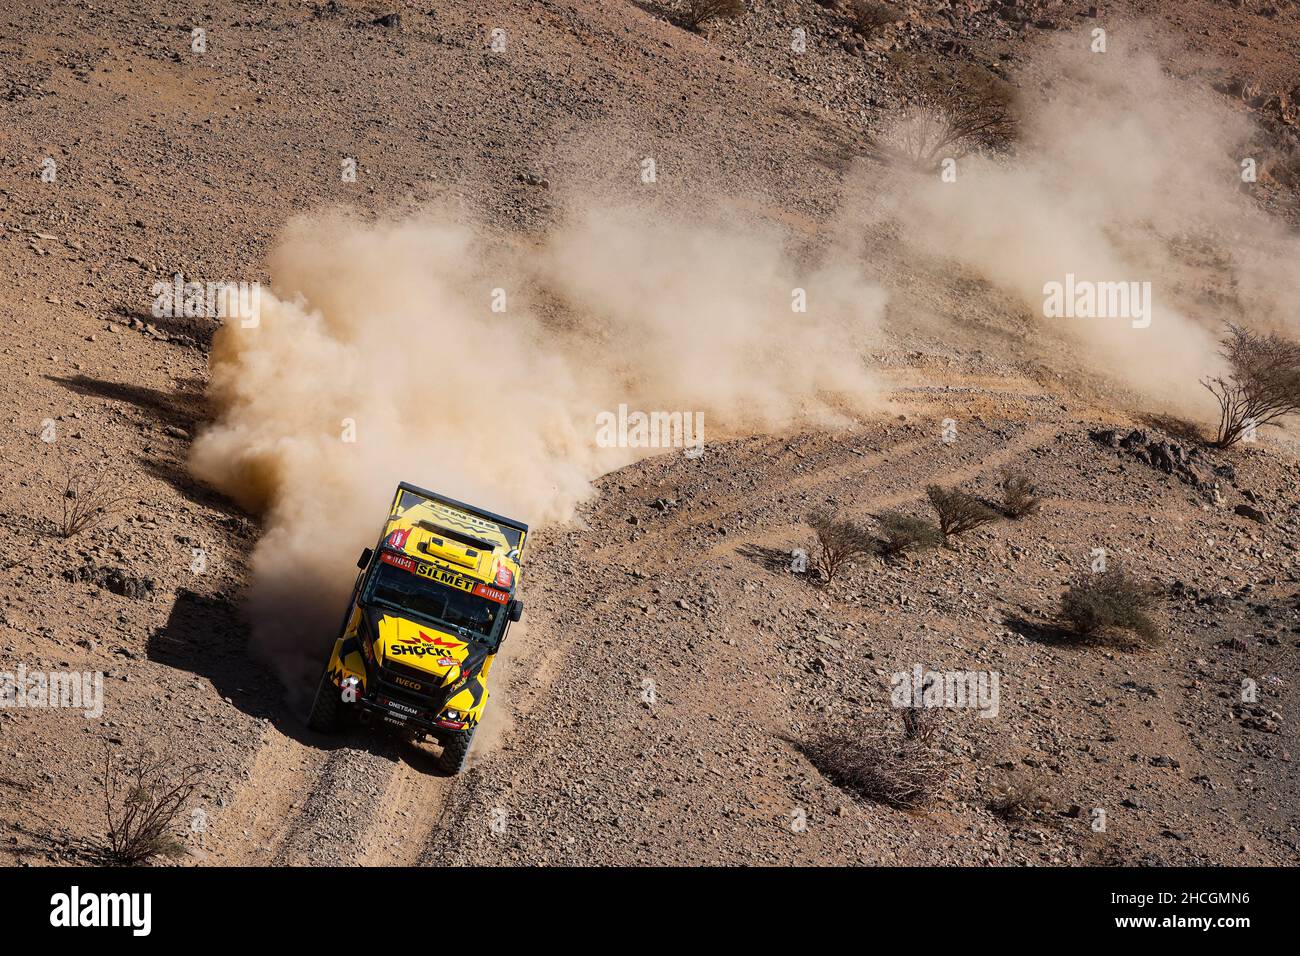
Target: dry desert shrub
{"x":700,"y":12}
{"x":870,"y":16}
{"x":838,"y":541}
{"x":88,"y":498}
{"x":1263,"y":383}
{"x":1019,"y":798}
{"x":953,"y":115}
{"x":1284,"y":166}
{"x":1097,"y":602}
{"x":920,"y":725}
{"x":899,"y":533}
{"x":868,"y":759}
{"x":1018,"y":495}
{"x":958,"y":511}
{"x":144,"y":798}
{"x":948,"y":121}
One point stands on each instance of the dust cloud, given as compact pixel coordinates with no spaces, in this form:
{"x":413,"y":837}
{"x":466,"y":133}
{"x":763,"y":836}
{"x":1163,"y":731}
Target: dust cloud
{"x":1122,"y":173}
{"x":379,"y":357}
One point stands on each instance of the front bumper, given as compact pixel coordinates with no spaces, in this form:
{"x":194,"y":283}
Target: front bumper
{"x":407,"y":715}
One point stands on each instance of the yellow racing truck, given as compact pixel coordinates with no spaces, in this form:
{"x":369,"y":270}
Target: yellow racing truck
{"x":428,"y":613}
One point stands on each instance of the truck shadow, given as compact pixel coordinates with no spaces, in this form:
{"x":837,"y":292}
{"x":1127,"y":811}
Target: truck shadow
{"x":207,"y":636}
{"x":178,"y":409}
{"x":184,"y":408}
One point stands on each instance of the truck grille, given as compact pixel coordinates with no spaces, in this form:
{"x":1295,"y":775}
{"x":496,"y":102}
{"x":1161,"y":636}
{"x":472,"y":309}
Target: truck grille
{"x":407,"y":682}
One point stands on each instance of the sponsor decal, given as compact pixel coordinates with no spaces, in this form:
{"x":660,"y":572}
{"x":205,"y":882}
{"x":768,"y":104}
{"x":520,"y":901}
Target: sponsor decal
{"x":398,"y":538}
{"x":491,"y":593}
{"x":398,"y":561}
{"x":425,"y":570}
{"x":422,"y":646}
{"x":450,"y":578}
{"x":443,"y":576}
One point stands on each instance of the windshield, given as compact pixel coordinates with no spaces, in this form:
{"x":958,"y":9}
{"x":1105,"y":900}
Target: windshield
{"x":439,"y":603}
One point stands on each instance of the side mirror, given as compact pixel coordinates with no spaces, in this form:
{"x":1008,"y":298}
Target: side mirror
{"x":516,"y":610}
{"x":365,"y":558}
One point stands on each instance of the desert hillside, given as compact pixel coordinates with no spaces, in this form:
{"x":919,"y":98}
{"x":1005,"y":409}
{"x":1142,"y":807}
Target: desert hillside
{"x":380,"y":170}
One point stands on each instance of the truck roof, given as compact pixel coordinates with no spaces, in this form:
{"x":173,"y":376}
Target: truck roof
{"x":482,"y":513}
{"x":470,"y":544}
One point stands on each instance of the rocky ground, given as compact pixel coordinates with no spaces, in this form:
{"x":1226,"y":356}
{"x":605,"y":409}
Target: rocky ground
{"x":657,"y":706}
{"x":706,"y":773}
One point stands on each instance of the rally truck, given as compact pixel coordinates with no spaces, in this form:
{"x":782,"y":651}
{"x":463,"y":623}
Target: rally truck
{"x":426,"y":619}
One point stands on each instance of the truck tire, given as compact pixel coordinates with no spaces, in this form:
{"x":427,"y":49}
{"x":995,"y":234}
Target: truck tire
{"x":326,"y":708}
{"x":455,"y":751}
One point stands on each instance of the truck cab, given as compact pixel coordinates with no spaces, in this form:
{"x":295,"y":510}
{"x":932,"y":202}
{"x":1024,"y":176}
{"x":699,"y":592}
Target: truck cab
{"x":431,"y":606}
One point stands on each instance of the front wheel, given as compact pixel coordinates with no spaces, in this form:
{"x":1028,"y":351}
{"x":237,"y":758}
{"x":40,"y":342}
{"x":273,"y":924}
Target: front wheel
{"x":455,"y":750}
{"x":327,"y":707}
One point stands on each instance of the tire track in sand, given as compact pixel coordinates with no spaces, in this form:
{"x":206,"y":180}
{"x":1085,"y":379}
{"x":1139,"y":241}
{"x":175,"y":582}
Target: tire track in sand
{"x":279,"y":777}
